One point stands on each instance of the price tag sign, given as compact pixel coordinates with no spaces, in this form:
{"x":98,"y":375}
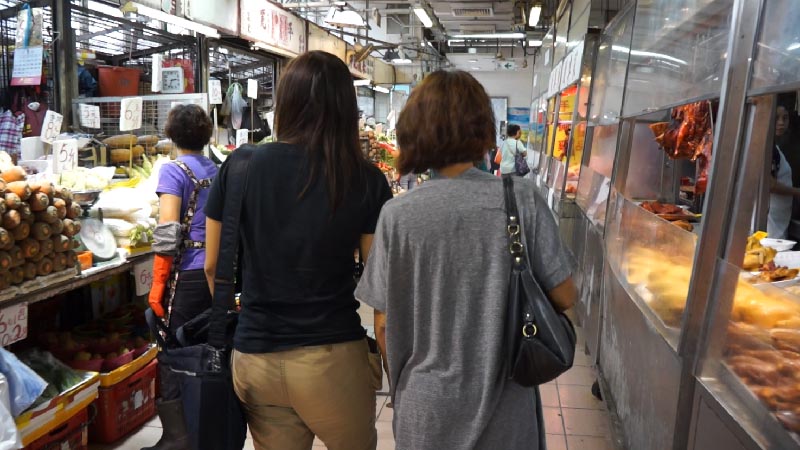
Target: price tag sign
{"x":241,"y":137}
{"x":155,"y":84}
{"x":13,"y":324}
{"x":130,"y":117}
{"x":143,"y":273}
{"x":252,"y":88}
{"x":51,"y":127}
{"x":65,"y":155}
{"x":214,"y":91}
{"x":90,"y":116}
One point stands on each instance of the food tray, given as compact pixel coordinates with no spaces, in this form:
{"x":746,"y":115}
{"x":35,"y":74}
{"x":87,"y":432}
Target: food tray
{"x":752,"y":278}
{"x":674,"y":217}
{"x":117,"y":375}
{"x":40,"y":421}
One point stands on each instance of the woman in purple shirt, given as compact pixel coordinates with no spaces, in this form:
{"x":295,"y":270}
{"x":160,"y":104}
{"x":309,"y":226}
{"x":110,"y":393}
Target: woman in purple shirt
{"x":179,"y":291}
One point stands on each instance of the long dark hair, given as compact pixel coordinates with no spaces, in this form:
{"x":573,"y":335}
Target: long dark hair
{"x":316,"y":108}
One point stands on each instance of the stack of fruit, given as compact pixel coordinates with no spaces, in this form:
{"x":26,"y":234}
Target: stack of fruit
{"x":39,"y":221}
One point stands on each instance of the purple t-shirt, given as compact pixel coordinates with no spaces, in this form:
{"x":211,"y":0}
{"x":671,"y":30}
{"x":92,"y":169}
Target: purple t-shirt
{"x":172,"y":180}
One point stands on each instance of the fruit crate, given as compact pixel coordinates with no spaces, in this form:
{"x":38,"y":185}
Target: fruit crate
{"x":125,"y":406}
{"x":70,"y":435}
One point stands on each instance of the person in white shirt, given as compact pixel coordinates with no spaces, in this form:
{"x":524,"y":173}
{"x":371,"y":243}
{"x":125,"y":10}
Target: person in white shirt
{"x":781,"y":189}
{"x":510,"y":148}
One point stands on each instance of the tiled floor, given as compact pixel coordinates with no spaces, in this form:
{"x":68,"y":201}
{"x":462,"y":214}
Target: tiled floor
{"x":574,"y":419}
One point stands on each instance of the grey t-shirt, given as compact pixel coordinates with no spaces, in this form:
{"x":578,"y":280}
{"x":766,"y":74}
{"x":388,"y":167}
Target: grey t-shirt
{"x":439,"y":268}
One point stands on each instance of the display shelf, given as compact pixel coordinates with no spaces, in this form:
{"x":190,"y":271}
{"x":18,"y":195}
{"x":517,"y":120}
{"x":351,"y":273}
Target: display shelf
{"x":71,"y":284}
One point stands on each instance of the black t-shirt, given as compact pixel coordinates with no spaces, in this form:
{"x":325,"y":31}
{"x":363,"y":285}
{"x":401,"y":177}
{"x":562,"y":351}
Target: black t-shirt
{"x":297,"y":256}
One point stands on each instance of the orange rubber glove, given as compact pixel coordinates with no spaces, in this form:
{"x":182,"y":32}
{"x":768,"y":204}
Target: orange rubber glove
{"x":162,"y":266}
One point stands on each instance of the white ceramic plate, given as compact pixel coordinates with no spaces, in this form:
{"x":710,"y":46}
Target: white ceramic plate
{"x":788,"y":259}
{"x":781,"y":245}
{"x":778,"y":284}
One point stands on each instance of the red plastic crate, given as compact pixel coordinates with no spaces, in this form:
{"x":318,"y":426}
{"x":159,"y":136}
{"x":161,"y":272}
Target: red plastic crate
{"x":71,"y":435}
{"x":125,"y":406}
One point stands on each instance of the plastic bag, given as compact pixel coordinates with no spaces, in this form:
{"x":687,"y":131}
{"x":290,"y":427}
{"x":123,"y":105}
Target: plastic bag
{"x":25,"y":386}
{"x":9,"y":437}
{"x":238,"y":103}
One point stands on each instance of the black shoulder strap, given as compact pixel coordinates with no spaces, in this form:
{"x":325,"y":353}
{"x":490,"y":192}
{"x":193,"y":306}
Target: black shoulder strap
{"x":224,"y":282}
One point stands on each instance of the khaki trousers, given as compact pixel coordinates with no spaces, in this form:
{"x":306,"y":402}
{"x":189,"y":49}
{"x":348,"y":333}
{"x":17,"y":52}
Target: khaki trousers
{"x":289,"y":397}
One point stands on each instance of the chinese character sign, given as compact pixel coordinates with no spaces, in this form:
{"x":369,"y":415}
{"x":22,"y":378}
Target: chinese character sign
{"x":265,"y":22}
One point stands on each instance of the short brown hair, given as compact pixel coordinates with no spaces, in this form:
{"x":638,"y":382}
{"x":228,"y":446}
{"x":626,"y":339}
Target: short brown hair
{"x":189,"y":127}
{"x":448,"y":120}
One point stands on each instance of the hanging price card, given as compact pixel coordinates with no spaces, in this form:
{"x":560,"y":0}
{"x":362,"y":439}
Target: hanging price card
{"x":90,"y":116}
{"x":143,"y":272}
{"x":130,"y":117}
{"x":65,"y":155}
{"x":214,"y":92}
{"x":241,"y":137}
{"x":51,"y":126}
{"x":13,"y":324}
{"x":252,"y":88}
{"x":155,"y":84}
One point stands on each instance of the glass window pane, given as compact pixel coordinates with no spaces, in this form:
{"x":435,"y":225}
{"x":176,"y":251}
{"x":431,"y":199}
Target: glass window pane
{"x":778,"y":51}
{"x":678,"y":52}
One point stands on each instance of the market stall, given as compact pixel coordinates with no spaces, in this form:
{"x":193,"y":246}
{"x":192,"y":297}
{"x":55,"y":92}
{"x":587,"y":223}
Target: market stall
{"x":747,"y":370}
{"x":673,"y":156}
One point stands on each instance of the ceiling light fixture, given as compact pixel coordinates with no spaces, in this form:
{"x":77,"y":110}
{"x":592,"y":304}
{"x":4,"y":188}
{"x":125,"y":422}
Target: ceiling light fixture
{"x":161,"y":16}
{"x":793,"y":47}
{"x":423,"y":16}
{"x":535,"y":15}
{"x":491,"y":36}
{"x":381,"y":89}
{"x":535,"y":43}
{"x":361,"y":83}
{"x":339,"y":17}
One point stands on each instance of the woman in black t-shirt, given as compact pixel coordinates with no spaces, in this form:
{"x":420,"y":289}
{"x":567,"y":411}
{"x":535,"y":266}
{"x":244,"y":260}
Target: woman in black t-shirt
{"x":301,"y":362}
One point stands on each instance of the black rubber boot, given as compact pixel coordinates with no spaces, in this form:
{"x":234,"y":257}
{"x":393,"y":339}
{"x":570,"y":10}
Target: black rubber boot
{"x":173,"y":436}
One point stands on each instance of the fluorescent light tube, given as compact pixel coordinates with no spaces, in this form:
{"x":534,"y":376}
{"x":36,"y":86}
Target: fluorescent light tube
{"x":535,"y":15}
{"x":491,"y":36}
{"x":381,"y":89}
{"x":362,"y":82}
{"x":423,"y":16}
{"x":177,"y":21}
{"x":535,"y":43}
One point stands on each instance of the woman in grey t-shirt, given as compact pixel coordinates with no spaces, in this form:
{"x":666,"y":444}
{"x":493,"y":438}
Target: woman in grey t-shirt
{"x":438,"y":274}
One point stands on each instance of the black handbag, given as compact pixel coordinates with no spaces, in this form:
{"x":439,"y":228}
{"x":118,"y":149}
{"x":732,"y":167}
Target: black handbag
{"x":213,"y":414}
{"x":540,"y":340}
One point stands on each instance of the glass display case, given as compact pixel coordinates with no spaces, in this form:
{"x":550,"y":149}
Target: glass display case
{"x":750,"y":366}
{"x":678,"y":52}
{"x":600,"y":149}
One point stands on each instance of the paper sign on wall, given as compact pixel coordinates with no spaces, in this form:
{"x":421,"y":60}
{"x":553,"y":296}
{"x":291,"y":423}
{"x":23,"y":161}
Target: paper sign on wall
{"x":130,"y":117}
{"x":51,"y":126}
{"x":155,"y":83}
{"x":65,"y":155}
{"x":252,"y":88}
{"x":143,"y":273}
{"x":214,"y":91}
{"x":13,"y":324}
{"x":241,"y":137}
{"x":90,"y":116}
